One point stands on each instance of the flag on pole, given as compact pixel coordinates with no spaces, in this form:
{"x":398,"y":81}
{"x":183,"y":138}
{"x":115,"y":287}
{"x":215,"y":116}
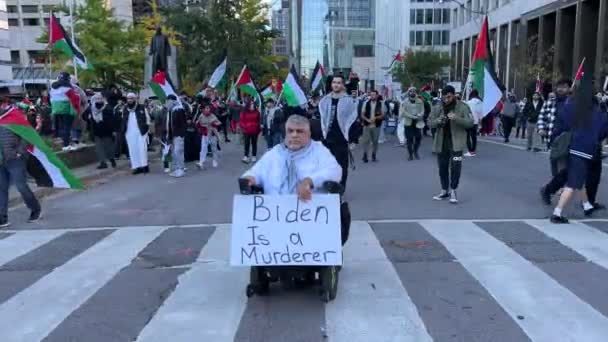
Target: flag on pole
{"x":277,"y":85}
{"x":482,"y":75}
{"x":580,"y":71}
{"x":219,"y":75}
{"x":232,"y":95}
{"x":58,"y":39}
{"x":245,"y":84}
{"x":161,"y":87}
{"x":65,"y":99}
{"x":397,"y":62}
{"x":46,"y":168}
{"x":317,"y":82}
{"x":292,"y":92}
{"x":539,"y":85}
{"x":267,"y":92}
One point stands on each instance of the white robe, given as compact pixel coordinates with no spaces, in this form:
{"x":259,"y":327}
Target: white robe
{"x":318,"y":165}
{"x":137,"y":143}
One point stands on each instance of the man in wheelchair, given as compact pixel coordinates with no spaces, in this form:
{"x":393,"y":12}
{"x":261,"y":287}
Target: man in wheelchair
{"x":298,"y":166}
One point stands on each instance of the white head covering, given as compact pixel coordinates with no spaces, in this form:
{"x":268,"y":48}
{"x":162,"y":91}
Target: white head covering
{"x":97,"y":113}
{"x":131,"y":95}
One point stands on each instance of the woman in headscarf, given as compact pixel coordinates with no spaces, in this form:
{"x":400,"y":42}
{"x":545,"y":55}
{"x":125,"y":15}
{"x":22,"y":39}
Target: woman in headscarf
{"x":100,"y":117}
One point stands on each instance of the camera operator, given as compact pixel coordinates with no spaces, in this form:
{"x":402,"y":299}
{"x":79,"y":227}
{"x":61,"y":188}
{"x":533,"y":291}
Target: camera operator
{"x":451,"y":120}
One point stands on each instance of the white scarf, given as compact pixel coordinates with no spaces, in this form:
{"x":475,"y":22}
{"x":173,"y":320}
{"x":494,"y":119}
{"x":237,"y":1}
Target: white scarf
{"x":289,"y":173}
{"x":97,"y":113}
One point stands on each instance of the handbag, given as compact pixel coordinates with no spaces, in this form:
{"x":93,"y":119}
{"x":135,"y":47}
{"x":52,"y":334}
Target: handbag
{"x":560,"y":147}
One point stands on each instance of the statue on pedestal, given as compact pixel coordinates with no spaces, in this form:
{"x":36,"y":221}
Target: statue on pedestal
{"x":160,"y":49}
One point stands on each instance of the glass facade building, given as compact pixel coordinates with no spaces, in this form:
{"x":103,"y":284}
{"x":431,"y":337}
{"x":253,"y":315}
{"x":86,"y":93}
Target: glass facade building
{"x":308,"y":28}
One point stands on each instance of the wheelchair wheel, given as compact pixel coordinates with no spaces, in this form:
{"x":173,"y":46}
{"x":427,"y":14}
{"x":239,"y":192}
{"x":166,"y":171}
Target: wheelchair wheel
{"x":258,"y":282}
{"x":329,"y":283}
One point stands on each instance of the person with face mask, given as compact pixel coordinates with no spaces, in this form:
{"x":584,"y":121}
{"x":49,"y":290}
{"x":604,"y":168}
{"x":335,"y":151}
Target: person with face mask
{"x":338,"y":113}
{"x":176,"y":131}
{"x":452,"y":121}
{"x":100,"y":117}
{"x":135,"y":127}
{"x":412,"y":115}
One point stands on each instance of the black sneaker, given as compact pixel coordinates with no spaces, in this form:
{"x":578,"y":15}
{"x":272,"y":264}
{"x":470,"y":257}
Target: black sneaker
{"x":544,"y":196}
{"x":416,"y":156}
{"x":113,"y":163}
{"x":443,"y":195}
{"x":598,"y":206}
{"x":410,"y":158}
{"x":559,"y":219}
{"x":35,"y":216}
{"x":365,"y":158}
{"x":4,"y":222}
{"x":102,"y":166}
{"x":588,"y":212}
{"x":145,"y":169}
{"x":374,"y":157}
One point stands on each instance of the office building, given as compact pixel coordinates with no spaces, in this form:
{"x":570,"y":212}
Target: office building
{"x":280,"y":22}
{"x":5,"y":54}
{"x":307,"y":32}
{"x":554,"y":34}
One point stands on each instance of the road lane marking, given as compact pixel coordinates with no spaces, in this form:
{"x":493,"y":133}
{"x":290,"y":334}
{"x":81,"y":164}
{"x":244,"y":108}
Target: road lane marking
{"x":372,"y":304}
{"x":208,"y":302}
{"x":23,"y":242}
{"x":585,"y":240}
{"x":529,"y":295}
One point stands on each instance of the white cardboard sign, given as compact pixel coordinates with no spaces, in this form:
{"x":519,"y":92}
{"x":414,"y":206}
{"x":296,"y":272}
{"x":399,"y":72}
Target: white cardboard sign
{"x":282,"y":230}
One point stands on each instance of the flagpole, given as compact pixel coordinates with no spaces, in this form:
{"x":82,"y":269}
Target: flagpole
{"x":73,"y":37}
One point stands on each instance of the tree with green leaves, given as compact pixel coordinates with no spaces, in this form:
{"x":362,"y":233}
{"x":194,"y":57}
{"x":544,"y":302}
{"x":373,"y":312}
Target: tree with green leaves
{"x":114,"y":48}
{"x":421,"y":67}
{"x":239,"y":27}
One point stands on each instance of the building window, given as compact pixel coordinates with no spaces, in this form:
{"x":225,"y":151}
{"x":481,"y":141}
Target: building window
{"x":419,"y":16}
{"x":13,"y":22}
{"x":437,"y":16}
{"x":364,"y":51}
{"x":428,"y":38}
{"x":11,"y":9}
{"x":15,"y":59}
{"x":31,"y":22}
{"x":412,"y":38}
{"x":38,"y":56}
{"x":437,"y":38}
{"x":446,"y":16}
{"x":428,"y":16}
{"x":445,"y":37}
{"x":419,"y":38}
{"x":455,"y":20}
{"x":468,"y":10}
{"x":515,"y":32}
{"x":412,"y":16}
{"x":29,"y":9}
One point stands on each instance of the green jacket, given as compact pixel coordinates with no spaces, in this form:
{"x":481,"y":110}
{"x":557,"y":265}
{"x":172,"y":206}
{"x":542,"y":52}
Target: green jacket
{"x":459,"y":126}
{"x":411,"y":111}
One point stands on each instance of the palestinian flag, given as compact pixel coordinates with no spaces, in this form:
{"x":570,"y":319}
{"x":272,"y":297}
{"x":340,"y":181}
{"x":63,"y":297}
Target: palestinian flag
{"x":397,"y":62}
{"x":481,"y":75}
{"x":267,"y":92}
{"x":219,"y":75}
{"x":46,"y":168}
{"x":232,"y":94}
{"x":292,"y":92}
{"x":245,"y":84}
{"x":580,"y":72}
{"x":65,"y":99}
{"x":161,"y":87}
{"x":317,"y":82}
{"x":277,"y":86}
{"x":539,"y":85}
{"x":58,"y":39}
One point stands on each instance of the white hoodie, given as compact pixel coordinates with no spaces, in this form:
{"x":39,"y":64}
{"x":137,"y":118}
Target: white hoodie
{"x":476,"y":107}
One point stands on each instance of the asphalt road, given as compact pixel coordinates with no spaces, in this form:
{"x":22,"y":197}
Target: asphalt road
{"x":146,"y":258}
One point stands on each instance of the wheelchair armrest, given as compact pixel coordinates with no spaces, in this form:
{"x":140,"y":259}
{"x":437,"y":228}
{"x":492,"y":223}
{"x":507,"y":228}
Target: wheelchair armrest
{"x":332,"y":187}
{"x":247,"y":189}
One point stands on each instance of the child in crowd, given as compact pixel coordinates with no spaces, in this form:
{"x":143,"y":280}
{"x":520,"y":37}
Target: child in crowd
{"x":208,"y":124}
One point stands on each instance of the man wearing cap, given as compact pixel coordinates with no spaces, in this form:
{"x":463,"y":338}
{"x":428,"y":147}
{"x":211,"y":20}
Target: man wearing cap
{"x":451,"y":119}
{"x":135,"y":128}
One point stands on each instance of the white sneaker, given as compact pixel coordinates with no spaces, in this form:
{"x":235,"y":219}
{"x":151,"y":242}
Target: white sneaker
{"x":254,"y":159}
{"x":453,"y":198}
{"x":468,"y":154}
{"x":215,"y":164}
{"x":245,"y":160}
{"x":65,"y":148}
{"x":200,"y":165}
{"x":177,"y":173}
{"x":167,"y":170}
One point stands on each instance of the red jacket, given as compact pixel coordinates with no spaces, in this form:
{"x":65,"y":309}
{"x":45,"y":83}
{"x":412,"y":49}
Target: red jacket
{"x":250,"y":121}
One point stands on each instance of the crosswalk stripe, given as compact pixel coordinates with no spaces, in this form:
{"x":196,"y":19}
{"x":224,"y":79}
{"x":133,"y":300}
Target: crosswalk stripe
{"x":208,"y":302}
{"x":530,"y":296}
{"x":372,"y":304}
{"x":23,"y":242}
{"x":33,"y":313}
{"x":587,"y":241}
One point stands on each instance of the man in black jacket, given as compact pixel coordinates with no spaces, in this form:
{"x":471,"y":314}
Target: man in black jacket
{"x":176,"y":132}
{"x":12,"y":170}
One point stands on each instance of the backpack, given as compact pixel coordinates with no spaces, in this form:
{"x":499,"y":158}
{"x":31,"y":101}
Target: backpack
{"x":560,"y":147}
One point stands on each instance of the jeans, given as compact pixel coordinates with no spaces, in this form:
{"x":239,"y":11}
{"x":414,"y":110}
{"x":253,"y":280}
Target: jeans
{"x":208,"y":142}
{"x":104,"y":148}
{"x":450,"y":167}
{"x":178,"y":153}
{"x":13,"y":171}
{"x":507,"y":123}
{"x":370,"y":137}
{"x":533,"y":136}
{"x":251,"y":140}
{"x":472,"y":138}
{"x":64,"y":127}
{"x":413,"y":136}
{"x":75,"y":135}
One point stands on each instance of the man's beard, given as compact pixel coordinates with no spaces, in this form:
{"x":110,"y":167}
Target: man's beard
{"x":131,"y":105}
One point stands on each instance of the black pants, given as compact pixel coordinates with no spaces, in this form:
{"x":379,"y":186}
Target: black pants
{"x":472,"y":138}
{"x":341,"y":153}
{"x":593,"y":179}
{"x":507,"y":126}
{"x":224,"y":127}
{"x":251,"y":140}
{"x":450,"y":167}
{"x":413,"y":137}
